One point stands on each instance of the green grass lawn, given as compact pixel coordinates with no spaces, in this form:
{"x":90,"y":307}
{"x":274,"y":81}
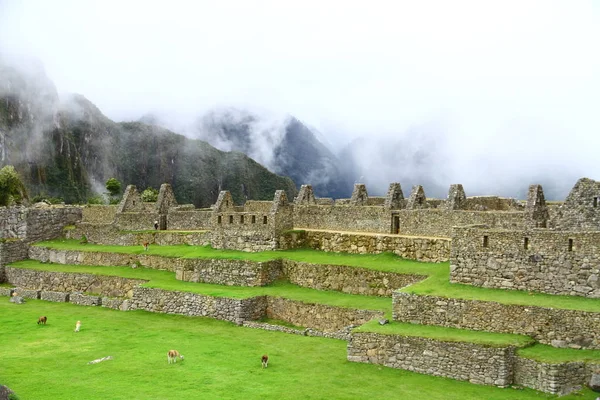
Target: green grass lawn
{"x":436,"y":285}
{"x":447,"y":334}
{"x":166,"y":280}
{"x":222,"y":361}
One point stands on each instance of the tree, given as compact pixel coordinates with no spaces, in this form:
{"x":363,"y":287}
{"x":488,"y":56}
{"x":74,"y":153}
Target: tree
{"x":12,"y":189}
{"x":150,"y":195}
{"x":113,"y":186}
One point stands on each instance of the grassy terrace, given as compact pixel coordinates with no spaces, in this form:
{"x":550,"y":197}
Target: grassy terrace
{"x":447,"y":334}
{"x":166,"y":280}
{"x":222,"y":361}
{"x":436,"y":285}
{"x":381,"y":262}
{"x":549,"y":354}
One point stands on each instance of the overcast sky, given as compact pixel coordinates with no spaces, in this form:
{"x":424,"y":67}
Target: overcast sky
{"x":514,"y":82}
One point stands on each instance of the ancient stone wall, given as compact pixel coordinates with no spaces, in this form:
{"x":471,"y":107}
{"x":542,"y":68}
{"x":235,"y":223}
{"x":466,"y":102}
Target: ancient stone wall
{"x":479,"y":364}
{"x":34,"y":224}
{"x":10,"y":251}
{"x":555,"y":378}
{"x":553,"y":326}
{"x":541,"y":260}
{"x":492,"y":203}
{"x":230,"y":272}
{"x":193,"y":304}
{"x":439,"y":222}
{"x":343,"y":218}
{"x":427,"y":249}
{"x":346,"y":279}
{"x":581,"y":209}
{"x":188,"y":220}
{"x":136,"y":221}
{"x":111,"y":235}
{"x":98,"y":214}
{"x":318,"y":316}
{"x":71,"y":282}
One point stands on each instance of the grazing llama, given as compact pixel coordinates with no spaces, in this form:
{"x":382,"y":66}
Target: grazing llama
{"x":172,"y":356}
{"x":77,"y":326}
{"x":265,"y":361}
{"x":42,"y":320}
{"x":145,"y":244}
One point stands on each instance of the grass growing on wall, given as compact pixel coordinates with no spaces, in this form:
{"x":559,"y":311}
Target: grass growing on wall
{"x":381,"y":262}
{"x":549,"y":354}
{"x":437,"y":284}
{"x":446,"y":334}
{"x":166,"y":280}
{"x":222,"y":361}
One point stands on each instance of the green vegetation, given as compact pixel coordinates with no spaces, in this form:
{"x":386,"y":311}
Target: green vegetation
{"x":380,"y":262}
{"x":150,"y":195}
{"x":549,"y":354}
{"x":436,"y":285}
{"x":222,"y":361}
{"x":446,"y":334}
{"x":12,"y":189}
{"x":166,"y":280}
{"x":113,"y":186}
{"x":96,"y":200}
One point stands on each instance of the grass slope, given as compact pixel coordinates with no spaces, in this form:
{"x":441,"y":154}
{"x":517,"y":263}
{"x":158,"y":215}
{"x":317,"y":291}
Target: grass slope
{"x":446,"y":334}
{"x":436,"y":285}
{"x":549,"y":354}
{"x":166,"y":280}
{"x":222,"y":361}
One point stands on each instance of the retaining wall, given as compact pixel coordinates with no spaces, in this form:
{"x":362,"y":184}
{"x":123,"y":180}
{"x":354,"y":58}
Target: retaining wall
{"x":111,"y":235}
{"x":71,"y":282}
{"x":427,"y":249}
{"x":318,"y":316}
{"x":479,"y":364}
{"x":346,"y":279}
{"x":553,"y":326}
{"x":554,"y":378}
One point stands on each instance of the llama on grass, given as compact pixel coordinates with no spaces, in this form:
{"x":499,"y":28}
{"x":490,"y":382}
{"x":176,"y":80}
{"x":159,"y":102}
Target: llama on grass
{"x":172,"y":356}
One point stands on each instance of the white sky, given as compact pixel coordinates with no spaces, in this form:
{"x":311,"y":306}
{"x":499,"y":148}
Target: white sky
{"x":515,"y":82}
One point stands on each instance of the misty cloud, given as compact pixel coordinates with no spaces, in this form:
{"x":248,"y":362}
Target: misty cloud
{"x":492,"y":95}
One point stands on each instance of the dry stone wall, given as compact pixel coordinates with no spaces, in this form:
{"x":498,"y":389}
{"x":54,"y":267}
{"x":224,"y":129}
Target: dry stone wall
{"x":10,"y":251}
{"x":193,"y":304}
{"x":346,"y":279}
{"x":542,"y":260}
{"x":479,"y":364}
{"x":230,"y":272}
{"x":439,"y":222}
{"x":342,"y":218}
{"x":98,"y":214}
{"x":136,"y":221}
{"x":555,"y":378}
{"x":427,"y":249}
{"x":111,"y":235}
{"x":71,"y":282}
{"x":318,"y":316}
{"x":553,"y":326}
{"x":188,"y":220}
{"x":35,"y":224}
